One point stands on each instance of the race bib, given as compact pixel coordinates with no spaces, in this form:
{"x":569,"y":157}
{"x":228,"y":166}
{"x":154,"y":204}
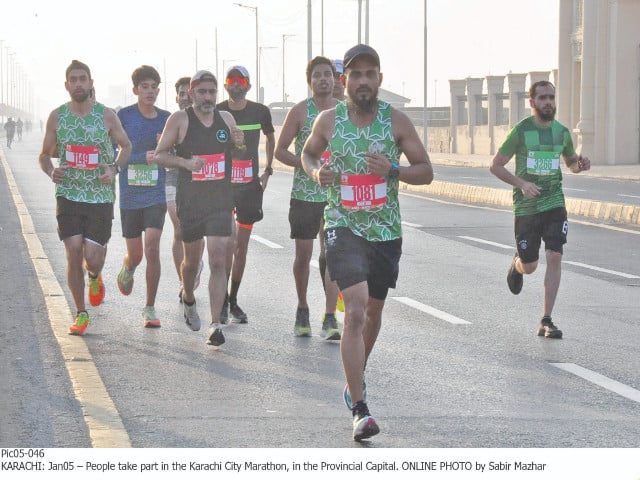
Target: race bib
{"x":543,"y":163}
{"x":213,"y":168}
{"x":141,"y":175}
{"x":241,"y":171}
{"x":82,"y":157}
{"x":362,"y":192}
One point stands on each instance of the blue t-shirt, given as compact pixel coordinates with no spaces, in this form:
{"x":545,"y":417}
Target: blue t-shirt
{"x":142,"y":185}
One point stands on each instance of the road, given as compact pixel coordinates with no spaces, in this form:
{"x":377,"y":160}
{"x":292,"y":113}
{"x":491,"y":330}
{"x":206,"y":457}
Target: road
{"x":457,"y":363}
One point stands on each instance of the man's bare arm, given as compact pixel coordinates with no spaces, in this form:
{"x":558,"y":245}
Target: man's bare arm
{"x":290,"y":128}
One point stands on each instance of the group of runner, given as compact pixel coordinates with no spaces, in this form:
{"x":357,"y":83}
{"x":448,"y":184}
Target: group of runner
{"x":201,"y":164}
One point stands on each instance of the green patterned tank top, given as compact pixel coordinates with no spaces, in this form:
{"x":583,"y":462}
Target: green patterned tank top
{"x":304,"y":188}
{"x":366,"y":204}
{"x":84,"y":146}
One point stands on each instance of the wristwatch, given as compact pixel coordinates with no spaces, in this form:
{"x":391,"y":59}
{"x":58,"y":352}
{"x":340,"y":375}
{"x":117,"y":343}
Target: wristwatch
{"x":395,"y":171}
{"x":268,"y":170}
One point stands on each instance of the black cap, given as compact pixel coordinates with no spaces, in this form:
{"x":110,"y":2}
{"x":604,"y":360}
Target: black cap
{"x":358,"y":50}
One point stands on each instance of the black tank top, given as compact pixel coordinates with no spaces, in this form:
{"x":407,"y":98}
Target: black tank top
{"x":198,"y":196}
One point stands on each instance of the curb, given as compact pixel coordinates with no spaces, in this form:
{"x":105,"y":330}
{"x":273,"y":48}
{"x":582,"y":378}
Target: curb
{"x":604,"y":211}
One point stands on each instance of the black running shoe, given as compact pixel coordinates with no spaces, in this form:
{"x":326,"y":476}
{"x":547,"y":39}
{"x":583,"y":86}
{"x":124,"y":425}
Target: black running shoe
{"x":548,"y":330}
{"x":302,"y":328}
{"x":514,"y":277}
{"x":238,"y":315}
{"x":216,"y":338}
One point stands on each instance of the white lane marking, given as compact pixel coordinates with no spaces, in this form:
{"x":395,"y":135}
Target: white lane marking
{"x":599,"y":269}
{"x":604,"y":382}
{"x":510,"y":212}
{"x":412,"y":225}
{"x":431,"y":311}
{"x":487,"y":242}
{"x":628,"y":196}
{"x":574,"y":189}
{"x":103,"y":421}
{"x":264,"y":241}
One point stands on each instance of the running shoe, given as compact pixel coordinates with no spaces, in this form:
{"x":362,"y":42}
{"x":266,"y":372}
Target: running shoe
{"x":330,"y":330}
{"x":340,"y":303}
{"x":216,"y":338}
{"x":80,"y":325}
{"x":96,"y":290}
{"x":364,"y":425}
{"x":548,"y":330}
{"x":346,"y":394}
{"x":302,"y":328}
{"x":238,"y":314}
{"x":514,"y":277}
{"x":150,"y":318}
{"x":196,"y":283}
{"x":191,"y":316}
{"x":125,"y":280}
{"x":224,"y":314}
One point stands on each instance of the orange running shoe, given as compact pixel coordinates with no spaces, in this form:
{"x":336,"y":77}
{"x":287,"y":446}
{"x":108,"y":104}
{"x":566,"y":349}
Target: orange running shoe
{"x":80,"y":325}
{"x":96,"y":290}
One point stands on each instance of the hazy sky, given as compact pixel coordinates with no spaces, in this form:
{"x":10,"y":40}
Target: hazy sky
{"x":465,"y":38}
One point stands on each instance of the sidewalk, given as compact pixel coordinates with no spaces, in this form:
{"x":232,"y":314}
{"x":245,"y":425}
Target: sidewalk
{"x":625,"y":172}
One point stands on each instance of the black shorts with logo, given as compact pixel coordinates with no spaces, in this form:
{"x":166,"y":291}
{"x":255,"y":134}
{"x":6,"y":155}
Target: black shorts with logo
{"x":550,"y":226}
{"x":352,"y":259}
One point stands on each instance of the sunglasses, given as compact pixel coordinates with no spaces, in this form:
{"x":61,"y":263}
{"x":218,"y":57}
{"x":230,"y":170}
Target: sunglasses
{"x":243,"y":82}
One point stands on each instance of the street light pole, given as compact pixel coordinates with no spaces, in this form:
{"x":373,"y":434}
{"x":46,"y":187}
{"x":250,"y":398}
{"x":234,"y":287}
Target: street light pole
{"x":284,"y":95}
{"x":424,"y":112}
{"x":255,"y":10}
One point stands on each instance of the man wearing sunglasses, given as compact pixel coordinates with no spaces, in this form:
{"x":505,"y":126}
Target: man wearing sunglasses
{"x":251,"y":118}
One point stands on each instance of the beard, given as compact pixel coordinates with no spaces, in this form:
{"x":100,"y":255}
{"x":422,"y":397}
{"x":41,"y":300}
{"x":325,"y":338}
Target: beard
{"x":362,"y":101}
{"x":237,"y":96}
{"x":546,"y":116}
{"x":80,"y":96}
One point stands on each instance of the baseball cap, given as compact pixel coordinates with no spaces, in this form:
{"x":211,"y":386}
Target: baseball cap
{"x":241,"y":70}
{"x":337,"y":63}
{"x":200,"y":76}
{"x":360,"y":49}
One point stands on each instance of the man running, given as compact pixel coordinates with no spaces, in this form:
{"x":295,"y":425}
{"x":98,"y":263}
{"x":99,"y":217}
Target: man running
{"x":10,"y":129}
{"x":538,"y":142}
{"x":248,"y":187}
{"x":363,"y":233}
{"x":308,"y":199}
{"x":183,"y":99}
{"x":80,"y":133}
{"x":143,"y":205}
{"x":202,"y":137}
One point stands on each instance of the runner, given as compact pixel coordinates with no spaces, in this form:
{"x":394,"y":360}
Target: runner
{"x":202,"y":138}
{"x":363,"y":233}
{"x":143,"y":204}
{"x":538,"y":142}
{"x":80,"y":133}
{"x":307,"y":198}
{"x":10,"y":129}
{"x":183,"y":100}
{"x":248,"y":187}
